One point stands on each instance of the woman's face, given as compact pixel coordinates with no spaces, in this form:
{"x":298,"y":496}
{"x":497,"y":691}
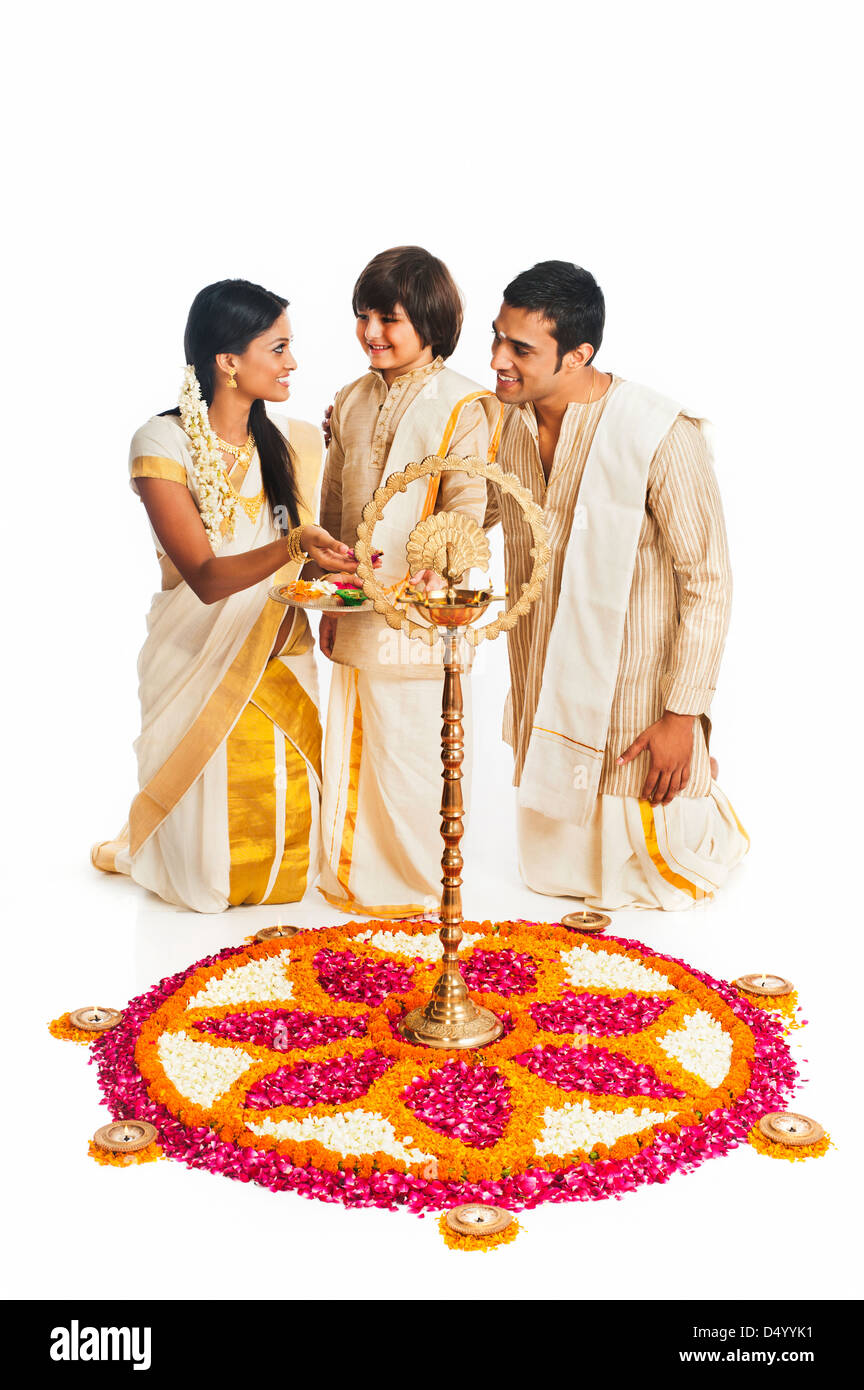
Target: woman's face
{"x":263,"y":370}
{"x":391,"y":341}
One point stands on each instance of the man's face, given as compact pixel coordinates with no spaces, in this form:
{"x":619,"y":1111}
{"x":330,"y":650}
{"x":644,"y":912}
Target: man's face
{"x":524,"y":357}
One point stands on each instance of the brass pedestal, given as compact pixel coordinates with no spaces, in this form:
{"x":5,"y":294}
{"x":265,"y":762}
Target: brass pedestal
{"x":451,"y":1019}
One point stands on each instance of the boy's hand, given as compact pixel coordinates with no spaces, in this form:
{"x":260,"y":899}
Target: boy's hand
{"x":325,"y":426}
{"x":327,"y":633}
{"x":670,"y":744}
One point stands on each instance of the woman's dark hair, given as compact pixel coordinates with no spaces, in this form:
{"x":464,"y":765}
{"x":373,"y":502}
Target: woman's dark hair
{"x":423,"y":285}
{"x":568,"y":297}
{"x":225,"y":317}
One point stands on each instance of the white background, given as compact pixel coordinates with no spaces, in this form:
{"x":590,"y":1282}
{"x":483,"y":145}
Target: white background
{"x":700,"y":161}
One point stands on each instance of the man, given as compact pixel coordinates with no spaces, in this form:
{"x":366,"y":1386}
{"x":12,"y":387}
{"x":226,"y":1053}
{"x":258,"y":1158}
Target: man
{"x":613,"y":670}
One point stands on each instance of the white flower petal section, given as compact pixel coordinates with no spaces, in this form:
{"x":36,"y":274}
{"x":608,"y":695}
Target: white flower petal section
{"x":262,"y":980}
{"x":358,"y":1133}
{"x":702,"y":1046}
{"x":402,"y":943}
{"x":200,"y":1071}
{"x":586,"y":967}
{"x":580,"y":1126}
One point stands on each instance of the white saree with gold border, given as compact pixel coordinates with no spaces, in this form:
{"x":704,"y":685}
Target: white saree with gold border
{"x":230,"y":746}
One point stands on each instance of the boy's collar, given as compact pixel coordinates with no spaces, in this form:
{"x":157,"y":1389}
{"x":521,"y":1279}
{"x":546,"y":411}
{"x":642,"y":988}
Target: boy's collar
{"x":418,"y":373}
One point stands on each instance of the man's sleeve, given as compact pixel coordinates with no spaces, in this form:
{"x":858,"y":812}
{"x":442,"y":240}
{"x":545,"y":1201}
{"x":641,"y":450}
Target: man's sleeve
{"x":684,"y":499}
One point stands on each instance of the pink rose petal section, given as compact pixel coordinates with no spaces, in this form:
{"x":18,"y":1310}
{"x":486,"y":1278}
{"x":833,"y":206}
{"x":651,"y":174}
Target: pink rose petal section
{"x":596,"y":1070}
{"x":464,"y":1102}
{"x":284,"y":1029}
{"x":354,"y":979}
{"x":331,"y":1082}
{"x":597,"y":1013}
{"x":499,"y":972}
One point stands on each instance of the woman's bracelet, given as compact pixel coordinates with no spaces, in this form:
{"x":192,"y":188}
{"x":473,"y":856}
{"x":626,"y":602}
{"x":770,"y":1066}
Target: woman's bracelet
{"x":295,"y":546}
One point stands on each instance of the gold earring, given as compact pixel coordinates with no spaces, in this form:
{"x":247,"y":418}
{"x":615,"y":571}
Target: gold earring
{"x":231,"y":375}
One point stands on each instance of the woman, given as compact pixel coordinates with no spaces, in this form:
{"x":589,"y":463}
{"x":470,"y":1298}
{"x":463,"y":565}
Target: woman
{"x":229,"y":757}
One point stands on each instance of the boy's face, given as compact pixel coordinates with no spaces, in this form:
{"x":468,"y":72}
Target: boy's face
{"x":391,"y":342}
{"x":524,"y":356}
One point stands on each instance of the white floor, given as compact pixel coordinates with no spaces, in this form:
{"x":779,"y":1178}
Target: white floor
{"x":742,"y":1226}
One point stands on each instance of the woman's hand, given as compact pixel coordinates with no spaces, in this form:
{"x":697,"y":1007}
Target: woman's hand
{"x":324,"y":551}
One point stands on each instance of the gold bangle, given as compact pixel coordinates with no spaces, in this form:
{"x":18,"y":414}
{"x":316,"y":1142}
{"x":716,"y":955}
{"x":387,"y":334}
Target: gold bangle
{"x":295,"y":546}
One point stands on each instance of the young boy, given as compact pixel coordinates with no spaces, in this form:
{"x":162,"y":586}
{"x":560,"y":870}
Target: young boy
{"x":382,"y":763}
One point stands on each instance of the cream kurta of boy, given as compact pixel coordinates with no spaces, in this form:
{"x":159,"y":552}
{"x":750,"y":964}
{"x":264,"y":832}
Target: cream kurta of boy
{"x":431,"y":403}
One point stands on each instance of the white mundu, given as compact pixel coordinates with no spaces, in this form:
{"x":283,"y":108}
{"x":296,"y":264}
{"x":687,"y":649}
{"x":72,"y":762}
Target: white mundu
{"x":381,"y":793}
{"x":633,"y":624}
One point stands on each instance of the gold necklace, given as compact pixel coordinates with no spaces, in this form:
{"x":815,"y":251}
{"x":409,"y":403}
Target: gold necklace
{"x":250,"y":505}
{"x":243,"y":456}
{"x":236,"y":449}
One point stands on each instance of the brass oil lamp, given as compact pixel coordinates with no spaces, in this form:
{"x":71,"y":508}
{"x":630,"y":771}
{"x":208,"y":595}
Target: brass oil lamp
{"x":450,"y":544}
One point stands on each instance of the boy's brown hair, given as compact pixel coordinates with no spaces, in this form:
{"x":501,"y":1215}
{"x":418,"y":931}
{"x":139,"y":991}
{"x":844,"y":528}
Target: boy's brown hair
{"x":424,"y":287}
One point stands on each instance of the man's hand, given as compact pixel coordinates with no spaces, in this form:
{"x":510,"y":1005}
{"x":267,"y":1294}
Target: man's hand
{"x":670,"y":744}
{"x":327,"y":633}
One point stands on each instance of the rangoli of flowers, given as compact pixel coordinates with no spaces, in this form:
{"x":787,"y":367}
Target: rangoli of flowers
{"x":280,"y":1062}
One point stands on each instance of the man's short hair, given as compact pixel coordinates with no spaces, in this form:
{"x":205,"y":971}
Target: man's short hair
{"x":568,"y":297}
{"x":423,"y":285}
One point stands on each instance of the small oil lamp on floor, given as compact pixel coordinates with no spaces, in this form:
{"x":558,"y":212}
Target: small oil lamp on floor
{"x":95,"y":1018}
{"x":478,"y":1219}
{"x":787,"y":1127}
{"x":270,"y":933}
{"x":586,"y":921}
{"x":771,"y":985}
{"x":125,"y":1136}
